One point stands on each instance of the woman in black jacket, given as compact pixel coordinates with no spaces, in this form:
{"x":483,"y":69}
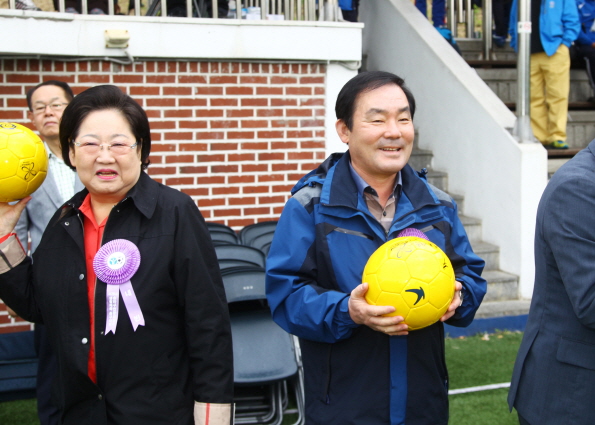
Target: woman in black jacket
{"x":126,"y":280}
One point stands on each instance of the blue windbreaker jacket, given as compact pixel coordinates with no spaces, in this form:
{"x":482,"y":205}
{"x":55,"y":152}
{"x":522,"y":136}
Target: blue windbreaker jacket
{"x":558,"y":22}
{"x":586,"y":12}
{"x":354,"y":375}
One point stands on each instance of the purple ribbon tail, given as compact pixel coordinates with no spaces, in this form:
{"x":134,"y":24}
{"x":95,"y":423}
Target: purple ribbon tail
{"x":134,"y":311}
{"x":112,"y":300}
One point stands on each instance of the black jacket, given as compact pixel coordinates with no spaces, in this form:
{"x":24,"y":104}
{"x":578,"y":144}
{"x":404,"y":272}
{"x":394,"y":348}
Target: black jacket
{"x":182,"y":354}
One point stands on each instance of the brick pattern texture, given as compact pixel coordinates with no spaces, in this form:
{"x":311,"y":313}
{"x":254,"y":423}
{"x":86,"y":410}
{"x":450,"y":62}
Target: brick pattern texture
{"x":235,"y":136}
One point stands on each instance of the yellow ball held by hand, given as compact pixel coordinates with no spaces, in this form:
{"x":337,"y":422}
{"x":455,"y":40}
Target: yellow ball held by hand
{"x":413,"y":275}
{"x":23,"y":162}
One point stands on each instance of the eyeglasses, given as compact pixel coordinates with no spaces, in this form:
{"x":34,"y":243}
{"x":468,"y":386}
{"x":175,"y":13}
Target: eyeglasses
{"x":56,"y":107}
{"x":92,"y":148}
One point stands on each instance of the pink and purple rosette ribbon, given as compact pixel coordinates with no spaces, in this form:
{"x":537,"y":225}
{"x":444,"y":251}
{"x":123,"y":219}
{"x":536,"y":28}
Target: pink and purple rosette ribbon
{"x":410,"y":231}
{"x":115,"y":263}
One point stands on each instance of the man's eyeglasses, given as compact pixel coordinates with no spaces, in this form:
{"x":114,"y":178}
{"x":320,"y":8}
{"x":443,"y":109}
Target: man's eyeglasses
{"x":56,"y":107}
{"x":93,"y":148}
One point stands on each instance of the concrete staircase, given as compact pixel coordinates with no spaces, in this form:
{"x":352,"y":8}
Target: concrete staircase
{"x":500,"y":75}
{"x":502,"y":296}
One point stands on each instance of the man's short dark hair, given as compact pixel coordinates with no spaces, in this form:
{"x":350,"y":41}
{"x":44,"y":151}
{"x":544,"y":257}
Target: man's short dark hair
{"x":364,"y":82}
{"x":100,"y":98}
{"x":64,"y":86}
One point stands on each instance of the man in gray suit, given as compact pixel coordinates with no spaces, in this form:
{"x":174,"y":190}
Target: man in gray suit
{"x":46,"y":103}
{"x":554,"y":376}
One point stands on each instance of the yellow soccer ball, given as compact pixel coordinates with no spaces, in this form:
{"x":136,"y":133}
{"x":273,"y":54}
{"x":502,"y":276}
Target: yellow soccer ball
{"x":23,"y":162}
{"x":413,"y":275}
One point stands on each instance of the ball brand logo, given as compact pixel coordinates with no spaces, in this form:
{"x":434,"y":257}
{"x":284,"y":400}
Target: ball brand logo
{"x":8,"y":126}
{"x":420,"y":294}
{"x":29,"y":169}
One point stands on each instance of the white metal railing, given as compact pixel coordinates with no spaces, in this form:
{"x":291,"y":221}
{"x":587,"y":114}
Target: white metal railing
{"x":290,"y":10}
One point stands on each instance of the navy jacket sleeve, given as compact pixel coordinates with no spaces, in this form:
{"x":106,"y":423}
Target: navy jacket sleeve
{"x":201,"y":293}
{"x":17,"y":291}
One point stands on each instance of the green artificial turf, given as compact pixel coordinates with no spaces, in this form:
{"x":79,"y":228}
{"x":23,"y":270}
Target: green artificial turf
{"x":472,"y":361}
{"x":20,"y":412}
{"x":481,"y":360}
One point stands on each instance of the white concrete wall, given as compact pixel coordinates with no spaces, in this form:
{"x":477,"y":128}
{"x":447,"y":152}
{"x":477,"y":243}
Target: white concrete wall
{"x":465,"y":125}
{"x":336,"y":77}
{"x":156,"y":37}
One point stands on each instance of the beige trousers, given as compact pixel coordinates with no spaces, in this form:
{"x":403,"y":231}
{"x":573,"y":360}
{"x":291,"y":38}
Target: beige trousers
{"x":550,"y":87}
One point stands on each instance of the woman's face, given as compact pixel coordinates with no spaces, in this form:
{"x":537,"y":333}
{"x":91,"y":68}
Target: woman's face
{"x":108,"y":174}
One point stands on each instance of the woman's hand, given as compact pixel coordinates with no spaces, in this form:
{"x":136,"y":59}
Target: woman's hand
{"x":9,"y":215}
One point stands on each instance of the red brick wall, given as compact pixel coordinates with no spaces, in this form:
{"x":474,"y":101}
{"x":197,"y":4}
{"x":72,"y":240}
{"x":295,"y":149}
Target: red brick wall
{"x":234,"y":136}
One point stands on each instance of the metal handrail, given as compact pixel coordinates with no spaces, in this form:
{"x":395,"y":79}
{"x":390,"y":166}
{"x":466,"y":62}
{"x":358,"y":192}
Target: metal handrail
{"x":461,"y":12}
{"x":294,"y":10}
{"x":522,"y":130}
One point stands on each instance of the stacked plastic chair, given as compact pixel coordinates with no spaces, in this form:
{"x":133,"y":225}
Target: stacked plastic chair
{"x":18,"y":366}
{"x":259,"y":235}
{"x":230,"y":256}
{"x":222,"y":234}
{"x":267,"y":363}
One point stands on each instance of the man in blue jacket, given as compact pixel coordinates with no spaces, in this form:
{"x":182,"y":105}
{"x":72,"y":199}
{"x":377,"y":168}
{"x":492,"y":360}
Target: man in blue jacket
{"x":555,"y":25}
{"x":361,"y":367}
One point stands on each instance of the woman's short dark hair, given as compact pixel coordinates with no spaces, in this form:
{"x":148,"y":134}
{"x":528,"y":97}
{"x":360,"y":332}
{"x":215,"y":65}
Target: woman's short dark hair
{"x":63,"y":85}
{"x":364,"y":82}
{"x":101,"y":98}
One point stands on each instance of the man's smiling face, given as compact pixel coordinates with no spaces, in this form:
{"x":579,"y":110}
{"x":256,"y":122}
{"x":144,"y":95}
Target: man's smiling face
{"x":381,"y":138}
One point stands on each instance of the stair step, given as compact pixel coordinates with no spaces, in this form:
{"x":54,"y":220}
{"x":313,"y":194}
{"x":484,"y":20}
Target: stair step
{"x":472,"y":51}
{"x":421,"y":158}
{"x":472,"y":227}
{"x":503,"y":82}
{"x":460,"y":200}
{"x":562,"y":153}
{"x":502,"y":286}
{"x":489,"y":253}
{"x":503,"y":308}
{"x":438,"y":179}
{"x":554,"y":164}
{"x":573,"y":107}
{"x":580,"y":131}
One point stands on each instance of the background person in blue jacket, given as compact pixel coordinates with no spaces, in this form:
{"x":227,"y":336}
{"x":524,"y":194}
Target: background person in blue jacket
{"x":555,"y":26}
{"x":585,"y":43}
{"x":361,"y":367}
